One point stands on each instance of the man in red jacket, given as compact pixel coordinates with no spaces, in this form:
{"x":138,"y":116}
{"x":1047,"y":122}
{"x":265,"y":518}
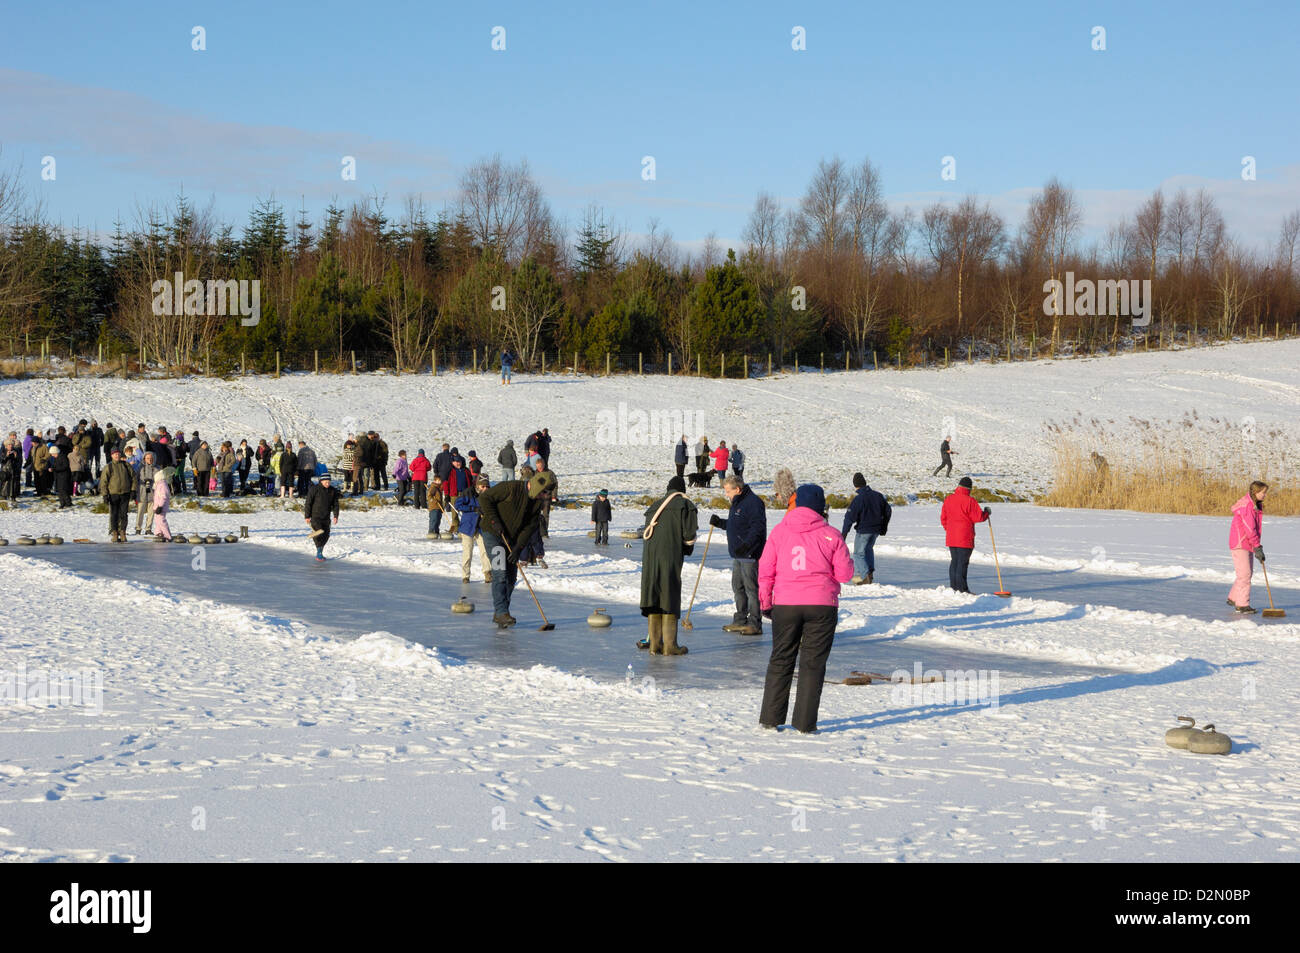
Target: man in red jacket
{"x":958,"y":516}
{"x":420,"y":478}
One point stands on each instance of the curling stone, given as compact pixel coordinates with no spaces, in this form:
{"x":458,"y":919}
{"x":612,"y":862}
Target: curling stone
{"x":232,"y":538}
{"x":212,"y":538}
{"x":447,"y":536}
{"x":591,"y":534}
{"x":599,"y":620}
{"x":55,"y":540}
{"x":1177,"y":737}
{"x":3,"y":541}
{"x":42,"y":540}
{"x":1209,"y":741}
{"x":194,"y":538}
{"x":157,"y":539}
{"x":180,"y":538}
{"x":462,"y":605}
{"x":630,"y":534}
{"x":243,"y":532}
{"x":25,"y":541}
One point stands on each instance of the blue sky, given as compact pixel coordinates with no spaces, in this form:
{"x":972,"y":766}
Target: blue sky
{"x":714,"y":92}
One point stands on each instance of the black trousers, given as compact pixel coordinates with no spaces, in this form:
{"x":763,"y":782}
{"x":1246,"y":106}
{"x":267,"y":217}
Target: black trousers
{"x":119,"y":505}
{"x":958,"y":564}
{"x":201,"y":478}
{"x":304,"y":482}
{"x":324,"y":537}
{"x":946,"y":461}
{"x":602,"y":531}
{"x":421,"y":493}
{"x":806,"y":633}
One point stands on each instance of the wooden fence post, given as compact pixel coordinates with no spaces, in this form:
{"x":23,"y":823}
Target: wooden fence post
{"x":699,"y":366}
{"x":101,"y":350}
{"x":607,"y":363}
{"x":846,"y":359}
{"x":875,"y":359}
{"x":945,"y":357}
{"x":823,"y":362}
{"x":670,"y":363}
{"x":475,"y":357}
{"x":277,"y":364}
{"x":315,"y":361}
{"x":575,"y":363}
{"x":543,"y":361}
{"x":746,"y":374}
{"x":769,"y":363}
{"x":640,"y":366}
{"x":722,"y":366}
{"x":433,"y":362}
{"x":354,"y":362}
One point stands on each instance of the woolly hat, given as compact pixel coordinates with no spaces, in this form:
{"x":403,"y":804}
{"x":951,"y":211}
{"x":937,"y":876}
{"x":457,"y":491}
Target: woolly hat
{"x":324,"y":477}
{"x":966,"y":482}
{"x":540,"y":483}
{"x":859,"y":480}
{"x":676,"y":485}
{"x":603,"y":492}
{"x":811,"y":496}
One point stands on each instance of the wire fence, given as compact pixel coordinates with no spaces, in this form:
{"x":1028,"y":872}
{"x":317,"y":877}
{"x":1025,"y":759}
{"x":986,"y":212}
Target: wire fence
{"x":47,"y":359}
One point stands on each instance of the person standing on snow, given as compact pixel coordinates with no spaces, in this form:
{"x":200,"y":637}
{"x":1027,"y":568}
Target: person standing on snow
{"x":737,"y":461}
{"x":1244,"y":541}
{"x":117,"y":481}
{"x":671,"y":524}
{"x":679,"y":457}
{"x":601,"y":513}
{"x":799,"y":577}
{"x":508,"y":460}
{"x":468,"y":506}
{"x":701,"y":454}
{"x":321,"y":501}
{"x":144,"y":494}
{"x":162,"y":498}
{"x":746,"y":529}
{"x":402,"y":474}
{"x":420,"y":467}
{"x":306,"y":467}
{"x":507,"y":364}
{"x":508,"y":514}
{"x":945,"y":458}
{"x":720,"y":460}
{"x":958,"y":516}
{"x":869,"y":515}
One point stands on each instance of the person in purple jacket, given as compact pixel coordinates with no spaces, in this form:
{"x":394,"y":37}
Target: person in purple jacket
{"x":804,"y":563}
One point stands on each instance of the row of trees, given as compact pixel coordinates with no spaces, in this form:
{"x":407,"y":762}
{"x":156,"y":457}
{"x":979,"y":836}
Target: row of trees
{"x":839,"y":271}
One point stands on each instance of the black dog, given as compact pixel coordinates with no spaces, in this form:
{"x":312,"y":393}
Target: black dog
{"x":700,"y":479}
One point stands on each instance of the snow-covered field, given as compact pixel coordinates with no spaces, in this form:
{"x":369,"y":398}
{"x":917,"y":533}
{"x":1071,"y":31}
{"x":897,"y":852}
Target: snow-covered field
{"x":225,"y":733}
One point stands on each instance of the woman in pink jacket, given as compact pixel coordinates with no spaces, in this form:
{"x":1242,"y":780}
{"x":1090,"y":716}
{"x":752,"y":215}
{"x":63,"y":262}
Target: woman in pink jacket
{"x":162,"y":498}
{"x":803,"y":565}
{"x":1243,"y":540}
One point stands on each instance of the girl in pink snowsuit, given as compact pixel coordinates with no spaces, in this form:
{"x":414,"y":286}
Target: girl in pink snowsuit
{"x":1243,"y":540}
{"x":162,"y":498}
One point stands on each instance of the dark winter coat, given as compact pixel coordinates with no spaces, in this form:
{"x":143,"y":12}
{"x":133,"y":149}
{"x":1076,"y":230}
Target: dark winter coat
{"x":600,"y":510}
{"x":442,"y":464}
{"x":679,"y":455}
{"x":321,"y":502}
{"x":746,"y":525}
{"x":194,"y":445}
{"x":364,"y":455}
{"x":62,"y":473}
{"x":737,"y":461}
{"x":288,"y":465}
{"x":670,"y":541}
{"x":307,"y":460}
{"x":868,"y":513}
{"x":544,"y":448}
{"x":506,"y":510}
{"x":201,"y":460}
{"x":507,"y":457}
{"x":381,"y":454}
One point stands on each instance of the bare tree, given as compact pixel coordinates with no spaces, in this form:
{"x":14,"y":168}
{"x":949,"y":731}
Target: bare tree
{"x":821,"y":212}
{"x":504,"y":208}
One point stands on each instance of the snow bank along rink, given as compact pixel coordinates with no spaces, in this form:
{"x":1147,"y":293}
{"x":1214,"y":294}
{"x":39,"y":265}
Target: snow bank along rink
{"x":888,"y":424}
{"x":229,"y":734}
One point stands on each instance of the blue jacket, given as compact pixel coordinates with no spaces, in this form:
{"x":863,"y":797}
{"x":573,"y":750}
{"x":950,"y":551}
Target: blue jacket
{"x":467,"y":506}
{"x":746,"y":525}
{"x":679,"y":455}
{"x":868,"y":513}
{"x":737,"y":461}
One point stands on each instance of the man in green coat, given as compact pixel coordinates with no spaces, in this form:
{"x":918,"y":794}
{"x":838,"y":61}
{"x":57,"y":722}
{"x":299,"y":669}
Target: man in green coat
{"x":508,"y":518}
{"x":118,"y":482}
{"x":669,"y":534}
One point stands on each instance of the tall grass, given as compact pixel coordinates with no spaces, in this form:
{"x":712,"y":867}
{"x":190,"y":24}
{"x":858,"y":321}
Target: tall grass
{"x":1188,"y":466}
